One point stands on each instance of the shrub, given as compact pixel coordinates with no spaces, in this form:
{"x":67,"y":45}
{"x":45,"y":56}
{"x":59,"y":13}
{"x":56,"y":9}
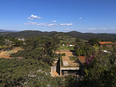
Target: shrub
{"x":63,"y":54}
{"x":73,"y":58}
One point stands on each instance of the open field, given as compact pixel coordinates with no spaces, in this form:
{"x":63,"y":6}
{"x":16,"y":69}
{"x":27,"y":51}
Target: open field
{"x":6,"y":54}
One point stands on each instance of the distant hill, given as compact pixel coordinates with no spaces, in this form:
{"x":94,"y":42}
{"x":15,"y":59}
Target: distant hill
{"x":27,"y":33}
{"x":64,"y":37}
{"x":103,"y":36}
{"x":2,"y":30}
{"x":74,"y":34}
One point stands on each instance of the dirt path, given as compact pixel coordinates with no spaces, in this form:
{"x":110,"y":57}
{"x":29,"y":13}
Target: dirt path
{"x":1,"y":53}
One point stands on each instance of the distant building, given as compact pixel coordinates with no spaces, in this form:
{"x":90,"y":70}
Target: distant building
{"x":65,"y":66}
{"x":105,"y":51}
{"x":63,"y":44}
{"x":105,"y":44}
{"x":68,"y":44}
{"x":22,"y":39}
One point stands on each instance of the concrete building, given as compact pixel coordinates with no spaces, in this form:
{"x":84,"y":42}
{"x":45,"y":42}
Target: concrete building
{"x":64,"y":66}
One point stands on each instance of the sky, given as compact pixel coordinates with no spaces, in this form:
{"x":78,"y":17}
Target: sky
{"x":95,"y":16}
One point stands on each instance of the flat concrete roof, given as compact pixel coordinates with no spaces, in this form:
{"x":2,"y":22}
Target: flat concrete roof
{"x":69,"y":68}
{"x":65,"y":63}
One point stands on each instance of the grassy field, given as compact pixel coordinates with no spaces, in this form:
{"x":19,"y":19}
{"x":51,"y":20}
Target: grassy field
{"x":9,"y":52}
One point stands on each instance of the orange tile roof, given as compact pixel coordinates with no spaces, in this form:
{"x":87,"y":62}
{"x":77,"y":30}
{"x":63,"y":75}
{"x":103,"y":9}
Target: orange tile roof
{"x":105,"y":42}
{"x":82,"y":59}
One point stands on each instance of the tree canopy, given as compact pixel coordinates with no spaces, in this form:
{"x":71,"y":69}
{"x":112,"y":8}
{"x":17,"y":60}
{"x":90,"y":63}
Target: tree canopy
{"x":93,"y":41}
{"x":100,"y":71}
{"x":83,"y":50}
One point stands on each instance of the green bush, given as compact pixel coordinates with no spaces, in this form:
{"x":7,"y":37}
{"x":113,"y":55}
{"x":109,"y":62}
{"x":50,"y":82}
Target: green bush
{"x":63,"y":54}
{"x":73,"y":58}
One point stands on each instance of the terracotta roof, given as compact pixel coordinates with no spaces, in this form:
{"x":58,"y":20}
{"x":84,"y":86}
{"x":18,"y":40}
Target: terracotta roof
{"x":82,"y":59}
{"x":105,"y":42}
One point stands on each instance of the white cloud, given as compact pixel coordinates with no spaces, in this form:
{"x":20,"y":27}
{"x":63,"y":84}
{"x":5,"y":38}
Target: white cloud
{"x":54,"y":21}
{"x":80,"y":18}
{"x":103,"y":28}
{"x":41,"y":24}
{"x":92,"y":28}
{"x":55,"y":24}
{"x":97,"y":28}
{"x":67,"y":29}
{"x":32,"y":17}
{"x":34,"y":23}
{"x":31,"y":23}
{"x":66,"y":24}
{"x":51,"y":24}
{"x":112,"y":28}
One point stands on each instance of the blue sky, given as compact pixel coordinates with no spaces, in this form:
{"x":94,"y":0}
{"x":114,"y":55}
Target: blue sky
{"x":97,"y":16}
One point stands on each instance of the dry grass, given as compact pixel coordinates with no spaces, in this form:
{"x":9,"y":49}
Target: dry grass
{"x":6,"y":54}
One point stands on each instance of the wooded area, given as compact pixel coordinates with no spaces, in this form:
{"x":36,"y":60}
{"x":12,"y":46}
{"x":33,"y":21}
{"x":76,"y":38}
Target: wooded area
{"x":31,"y":65}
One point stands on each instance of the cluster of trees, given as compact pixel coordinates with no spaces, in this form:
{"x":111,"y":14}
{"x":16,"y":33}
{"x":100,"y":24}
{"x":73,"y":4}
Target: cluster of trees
{"x":30,"y":73}
{"x":100,"y":72}
{"x":82,"y":49}
{"x":2,"y":41}
{"x":33,"y":69}
{"x":31,"y":66}
{"x":26,"y":72}
{"x":8,"y":42}
{"x":40,"y":49}
{"x":93,"y":41}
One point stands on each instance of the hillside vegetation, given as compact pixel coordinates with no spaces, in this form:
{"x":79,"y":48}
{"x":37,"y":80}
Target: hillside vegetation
{"x":29,"y":33}
{"x":64,"y":38}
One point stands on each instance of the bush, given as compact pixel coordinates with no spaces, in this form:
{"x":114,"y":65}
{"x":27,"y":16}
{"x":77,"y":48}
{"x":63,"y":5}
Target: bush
{"x":70,"y":81}
{"x":73,"y":58}
{"x":63,"y":54}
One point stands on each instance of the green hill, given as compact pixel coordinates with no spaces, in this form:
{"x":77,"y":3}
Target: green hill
{"x":61,"y":35}
{"x":64,"y":38}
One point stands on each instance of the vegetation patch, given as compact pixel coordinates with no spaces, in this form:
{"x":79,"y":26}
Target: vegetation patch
{"x":63,"y":54}
{"x":96,"y":48}
{"x":73,"y":58}
{"x":9,"y":52}
{"x":66,"y":48}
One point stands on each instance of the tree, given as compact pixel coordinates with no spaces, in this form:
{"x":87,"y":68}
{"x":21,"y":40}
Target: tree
{"x":77,"y":40}
{"x":100,"y":72}
{"x":40,"y":49}
{"x":70,"y":81}
{"x":93,"y":41}
{"x":2,"y":41}
{"x":82,"y":50}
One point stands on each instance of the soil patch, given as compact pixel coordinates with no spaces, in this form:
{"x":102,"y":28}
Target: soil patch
{"x":6,"y":54}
